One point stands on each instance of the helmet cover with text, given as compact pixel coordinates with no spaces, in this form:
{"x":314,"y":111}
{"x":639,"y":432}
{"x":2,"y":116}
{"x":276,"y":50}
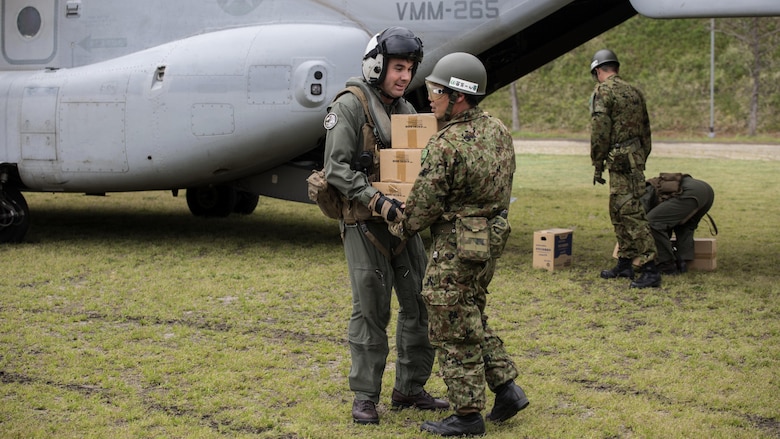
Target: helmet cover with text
{"x":393,"y":42}
{"x":461,"y":72}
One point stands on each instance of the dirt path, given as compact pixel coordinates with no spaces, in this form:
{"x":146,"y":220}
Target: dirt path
{"x":741,"y":151}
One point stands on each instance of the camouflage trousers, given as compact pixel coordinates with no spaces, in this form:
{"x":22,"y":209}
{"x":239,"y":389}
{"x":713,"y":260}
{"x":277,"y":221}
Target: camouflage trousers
{"x":628,"y":216}
{"x":470,"y":354}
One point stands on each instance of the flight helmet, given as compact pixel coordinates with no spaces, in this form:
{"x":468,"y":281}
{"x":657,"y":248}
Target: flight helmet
{"x":603,"y":56}
{"x":461,"y":72}
{"x":393,"y":42}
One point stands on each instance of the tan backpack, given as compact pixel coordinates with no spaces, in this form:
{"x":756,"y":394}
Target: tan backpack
{"x":328,"y":199}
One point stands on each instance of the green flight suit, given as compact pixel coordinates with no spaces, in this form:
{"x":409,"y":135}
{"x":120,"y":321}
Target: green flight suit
{"x":372,"y":275}
{"x":679,"y":215}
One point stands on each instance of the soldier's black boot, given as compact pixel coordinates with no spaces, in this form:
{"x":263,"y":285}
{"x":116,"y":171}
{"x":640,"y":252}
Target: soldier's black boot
{"x":622,"y":269}
{"x":650,"y":277}
{"x":457,"y":425}
{"x":668,"y":268}
{"x":510,"y":399}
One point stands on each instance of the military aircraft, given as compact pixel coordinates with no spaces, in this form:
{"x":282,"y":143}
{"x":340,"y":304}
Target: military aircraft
{"x":225,"y":98}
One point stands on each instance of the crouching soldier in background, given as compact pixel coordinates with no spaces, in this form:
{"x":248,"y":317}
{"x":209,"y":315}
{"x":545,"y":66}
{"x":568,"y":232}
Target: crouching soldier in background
{"x":675,"y":203}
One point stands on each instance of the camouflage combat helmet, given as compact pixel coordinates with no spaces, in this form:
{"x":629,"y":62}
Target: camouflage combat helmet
{"x":603,"y":56}
{"x":393,"y":42}
{"x":461,"y":72}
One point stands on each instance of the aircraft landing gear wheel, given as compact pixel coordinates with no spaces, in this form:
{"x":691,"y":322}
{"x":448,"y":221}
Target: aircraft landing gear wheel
{"x":246,"y":202}
{"x":211,"y":201}
{"x":14,"y":215}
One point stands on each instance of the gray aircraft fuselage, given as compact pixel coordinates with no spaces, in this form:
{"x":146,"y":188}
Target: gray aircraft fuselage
{"x":113,"y":95}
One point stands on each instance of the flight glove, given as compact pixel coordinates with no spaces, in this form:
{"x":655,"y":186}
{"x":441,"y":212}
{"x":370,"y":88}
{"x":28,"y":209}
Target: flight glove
{"x":389,"y":208}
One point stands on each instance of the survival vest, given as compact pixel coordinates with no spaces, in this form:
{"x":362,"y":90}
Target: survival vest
{"x":667,"y":185}
{"x":376,"y":136}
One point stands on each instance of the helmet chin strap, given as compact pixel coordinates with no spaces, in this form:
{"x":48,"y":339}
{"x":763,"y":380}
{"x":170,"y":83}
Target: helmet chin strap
{"x":452,"y":98}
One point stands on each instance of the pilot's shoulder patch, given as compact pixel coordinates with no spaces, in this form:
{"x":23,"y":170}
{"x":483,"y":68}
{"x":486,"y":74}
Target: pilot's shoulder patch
{"x":330,"y":121}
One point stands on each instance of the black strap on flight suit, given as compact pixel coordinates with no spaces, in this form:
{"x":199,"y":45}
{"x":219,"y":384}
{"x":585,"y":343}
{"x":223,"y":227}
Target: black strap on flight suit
{"x":382,"y":249}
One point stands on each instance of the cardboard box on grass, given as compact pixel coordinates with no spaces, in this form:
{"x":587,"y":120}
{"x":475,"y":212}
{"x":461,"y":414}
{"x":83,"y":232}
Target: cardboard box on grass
{"x":412,"y":130}
{"x":705,"y":252}
{"x":553,"y":248}
{"x":634,"y":262}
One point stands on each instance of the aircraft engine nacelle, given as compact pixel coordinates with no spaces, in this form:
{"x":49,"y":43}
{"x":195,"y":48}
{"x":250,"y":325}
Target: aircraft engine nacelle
{"x":207,"y":109}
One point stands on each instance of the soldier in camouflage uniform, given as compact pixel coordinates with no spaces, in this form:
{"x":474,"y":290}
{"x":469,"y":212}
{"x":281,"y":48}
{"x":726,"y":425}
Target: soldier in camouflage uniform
{"x":620,"y":141}
{"x":379,"y":262}
{"x":464,"y":185}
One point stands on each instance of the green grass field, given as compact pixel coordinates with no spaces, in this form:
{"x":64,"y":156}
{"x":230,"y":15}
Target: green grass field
{"x":126,"y":317}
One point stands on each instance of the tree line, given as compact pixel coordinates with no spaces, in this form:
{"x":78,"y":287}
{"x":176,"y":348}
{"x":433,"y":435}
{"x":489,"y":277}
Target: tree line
{"x":672,"y":61}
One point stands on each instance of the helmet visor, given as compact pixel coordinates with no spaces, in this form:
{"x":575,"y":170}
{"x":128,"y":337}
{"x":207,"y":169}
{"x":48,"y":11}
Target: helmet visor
{"x":403,"y":46}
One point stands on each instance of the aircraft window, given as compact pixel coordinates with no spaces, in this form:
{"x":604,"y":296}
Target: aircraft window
{"x":29,"y":22}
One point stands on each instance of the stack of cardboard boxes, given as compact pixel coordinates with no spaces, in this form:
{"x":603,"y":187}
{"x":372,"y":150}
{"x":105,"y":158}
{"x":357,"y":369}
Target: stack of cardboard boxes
{"x":400,"y":164}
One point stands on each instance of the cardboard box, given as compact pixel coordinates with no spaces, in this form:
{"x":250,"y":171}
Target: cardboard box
{"x":635,"y":262}
{"x":553,"y":249}
{"x":398,"y":191}
{"x":705,"y":252}
{"x":412,"y":130}
{"x":399,"y":165}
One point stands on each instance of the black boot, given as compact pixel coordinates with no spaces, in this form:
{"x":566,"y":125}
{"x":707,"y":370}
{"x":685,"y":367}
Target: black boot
{"x":682,"y":264}
{"x":669,"y":268}
{"x":510,"y":399}
{"x":622,"y":269}
{"x":457,"y":425}
{"x":650,"y":277}
{"x":421,"y":401}
{"x":364,"y":412}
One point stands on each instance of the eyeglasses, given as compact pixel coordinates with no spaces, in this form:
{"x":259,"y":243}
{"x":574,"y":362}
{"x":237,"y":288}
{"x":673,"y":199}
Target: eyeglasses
{"x":434,"y":91}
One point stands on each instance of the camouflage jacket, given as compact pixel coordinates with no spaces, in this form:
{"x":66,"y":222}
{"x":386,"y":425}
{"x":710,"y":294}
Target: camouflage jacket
{"x":467,"y":170}
{"x":618,"y":114}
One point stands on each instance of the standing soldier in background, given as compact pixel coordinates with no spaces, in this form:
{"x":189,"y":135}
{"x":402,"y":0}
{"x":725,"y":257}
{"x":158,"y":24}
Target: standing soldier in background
{"x":620,"y":141}
{"x":378,"y":261}
{"x":462,"y":193}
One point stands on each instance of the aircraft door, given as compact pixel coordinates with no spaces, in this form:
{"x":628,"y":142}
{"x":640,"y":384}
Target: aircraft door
{"x":38,"y":135}
{"x":29,"y":31}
